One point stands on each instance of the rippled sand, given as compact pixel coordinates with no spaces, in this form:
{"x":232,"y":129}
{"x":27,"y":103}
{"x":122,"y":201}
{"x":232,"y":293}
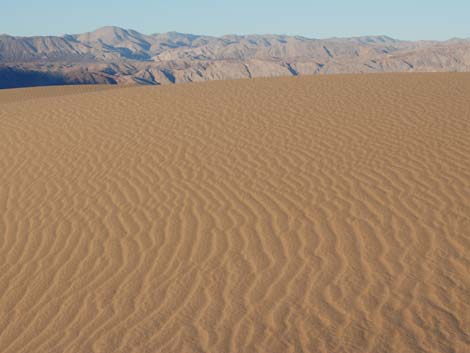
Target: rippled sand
{"x":313,"y":214}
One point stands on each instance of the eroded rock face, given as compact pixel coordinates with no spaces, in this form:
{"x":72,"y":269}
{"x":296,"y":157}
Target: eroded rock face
{"x":119,"y":56}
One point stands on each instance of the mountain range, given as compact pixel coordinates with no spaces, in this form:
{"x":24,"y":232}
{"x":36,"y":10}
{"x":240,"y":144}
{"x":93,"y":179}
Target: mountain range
{"x":114,"y":55}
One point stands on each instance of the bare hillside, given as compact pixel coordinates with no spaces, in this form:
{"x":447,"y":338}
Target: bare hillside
{"x":114,"y":55}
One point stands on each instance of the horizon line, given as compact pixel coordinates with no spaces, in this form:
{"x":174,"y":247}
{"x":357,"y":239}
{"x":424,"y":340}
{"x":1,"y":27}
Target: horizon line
{"x":240,"y":35}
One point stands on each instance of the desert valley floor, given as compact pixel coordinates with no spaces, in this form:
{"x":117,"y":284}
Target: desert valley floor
{"x":308,"y":214}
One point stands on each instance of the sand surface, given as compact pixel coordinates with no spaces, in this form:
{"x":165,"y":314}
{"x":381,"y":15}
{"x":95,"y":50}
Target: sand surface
{"x":312,"y":214}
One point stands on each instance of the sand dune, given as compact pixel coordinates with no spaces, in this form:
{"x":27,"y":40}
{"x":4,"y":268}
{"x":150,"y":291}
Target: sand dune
{"x":22,"y":94}
{"x":310,"y":214}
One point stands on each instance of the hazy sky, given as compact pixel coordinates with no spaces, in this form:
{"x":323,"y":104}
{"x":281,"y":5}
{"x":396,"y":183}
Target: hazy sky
{"x":404,"y":19}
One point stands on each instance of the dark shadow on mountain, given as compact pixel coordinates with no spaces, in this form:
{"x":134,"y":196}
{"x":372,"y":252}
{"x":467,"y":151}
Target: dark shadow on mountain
{"x":129,"y":54}
{"x":169,"y":75}
{"x":13,"y":78}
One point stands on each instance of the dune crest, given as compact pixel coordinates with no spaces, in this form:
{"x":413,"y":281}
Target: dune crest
{"x":310,"y":214}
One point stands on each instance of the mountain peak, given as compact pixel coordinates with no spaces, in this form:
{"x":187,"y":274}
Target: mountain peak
{"x":109,"y":35}
{"x":109,"y":29}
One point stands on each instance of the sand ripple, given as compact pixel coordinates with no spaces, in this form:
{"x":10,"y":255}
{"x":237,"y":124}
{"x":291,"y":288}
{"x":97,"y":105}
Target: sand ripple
{"x":316,"y":214}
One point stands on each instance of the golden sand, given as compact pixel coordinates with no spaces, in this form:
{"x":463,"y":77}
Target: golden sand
{"x":312,"y":214}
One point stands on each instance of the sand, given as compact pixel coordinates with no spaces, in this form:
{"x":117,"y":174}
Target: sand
{"x":311,"y":214}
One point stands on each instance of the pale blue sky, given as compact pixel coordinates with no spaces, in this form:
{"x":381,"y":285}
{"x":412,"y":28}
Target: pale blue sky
{"x":403,"y":19}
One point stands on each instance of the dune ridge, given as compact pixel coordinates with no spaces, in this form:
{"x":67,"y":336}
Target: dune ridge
{"x":309,"y":214}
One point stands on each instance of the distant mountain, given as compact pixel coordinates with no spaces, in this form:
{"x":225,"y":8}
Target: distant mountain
{"x":115,"y":55}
